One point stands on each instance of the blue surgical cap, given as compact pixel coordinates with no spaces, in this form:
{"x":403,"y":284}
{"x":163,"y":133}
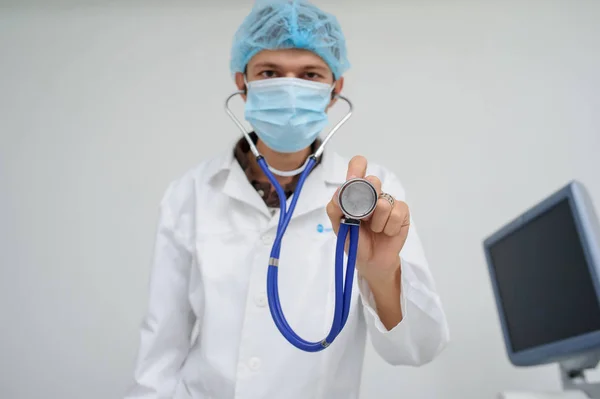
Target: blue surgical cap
{"x":284,"y":24}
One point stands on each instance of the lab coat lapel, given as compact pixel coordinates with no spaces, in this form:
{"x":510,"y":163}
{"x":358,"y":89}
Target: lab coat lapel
{"x":239,"y":188}
{"x":316,"y":193}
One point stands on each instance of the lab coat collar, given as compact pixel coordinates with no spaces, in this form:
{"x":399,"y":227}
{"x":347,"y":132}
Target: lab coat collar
{"x":330,"y":172}
{"x":334,"y":168}
{"x":236,"y":184}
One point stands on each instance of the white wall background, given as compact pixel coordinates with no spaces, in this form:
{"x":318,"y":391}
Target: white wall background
{"x":481,"y":107}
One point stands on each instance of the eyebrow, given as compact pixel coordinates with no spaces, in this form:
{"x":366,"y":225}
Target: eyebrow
{"x":267,"y":65}
{"x":316,"y":67}
{"x":271,"y":65}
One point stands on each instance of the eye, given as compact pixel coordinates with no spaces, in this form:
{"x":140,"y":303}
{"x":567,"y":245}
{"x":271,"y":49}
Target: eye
{"x":268,"y":74}
{"x":313,"y":76}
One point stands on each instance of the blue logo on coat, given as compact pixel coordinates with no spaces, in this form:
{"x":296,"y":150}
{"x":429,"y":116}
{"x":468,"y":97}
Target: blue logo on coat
{"x":323,"y":229}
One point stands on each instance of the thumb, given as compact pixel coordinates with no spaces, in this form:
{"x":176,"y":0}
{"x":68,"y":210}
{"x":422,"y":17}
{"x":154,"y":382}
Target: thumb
{"x":335,"y":212}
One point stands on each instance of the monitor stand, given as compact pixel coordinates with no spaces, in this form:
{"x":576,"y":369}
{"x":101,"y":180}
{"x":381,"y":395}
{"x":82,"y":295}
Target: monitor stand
{"x":572,"y":372}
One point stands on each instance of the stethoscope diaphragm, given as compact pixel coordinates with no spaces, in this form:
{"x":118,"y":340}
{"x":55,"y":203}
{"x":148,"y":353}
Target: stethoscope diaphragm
{"x":357,"y":198}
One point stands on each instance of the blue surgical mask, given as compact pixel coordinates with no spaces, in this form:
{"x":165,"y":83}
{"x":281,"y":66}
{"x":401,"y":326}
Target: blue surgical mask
{"x":287,"y":113}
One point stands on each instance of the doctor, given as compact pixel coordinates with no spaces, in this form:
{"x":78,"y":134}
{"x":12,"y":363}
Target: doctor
{"x":208,"y":332}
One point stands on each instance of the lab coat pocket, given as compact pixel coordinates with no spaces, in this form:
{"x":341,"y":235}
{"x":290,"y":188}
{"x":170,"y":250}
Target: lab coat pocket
{"x":225,"y":264}
{"x":221,"y":257}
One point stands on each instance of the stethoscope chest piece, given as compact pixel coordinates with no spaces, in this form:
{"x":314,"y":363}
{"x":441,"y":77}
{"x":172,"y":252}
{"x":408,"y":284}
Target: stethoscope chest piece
{"x":357,"y":198}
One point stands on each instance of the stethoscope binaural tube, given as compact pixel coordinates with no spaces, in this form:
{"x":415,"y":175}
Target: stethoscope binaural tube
{"x":349,"y":226}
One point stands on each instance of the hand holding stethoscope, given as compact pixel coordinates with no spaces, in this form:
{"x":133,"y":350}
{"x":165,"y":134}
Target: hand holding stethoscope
{"x":382,"y":234}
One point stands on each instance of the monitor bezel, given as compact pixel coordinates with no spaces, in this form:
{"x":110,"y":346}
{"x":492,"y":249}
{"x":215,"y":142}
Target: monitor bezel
{"x":588,"y":229}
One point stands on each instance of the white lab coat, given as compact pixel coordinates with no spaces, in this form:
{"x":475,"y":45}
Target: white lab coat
{"x":209,"y":275}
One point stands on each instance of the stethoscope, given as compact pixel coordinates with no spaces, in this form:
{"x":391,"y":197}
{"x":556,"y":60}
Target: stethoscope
{"x":357,"y":199}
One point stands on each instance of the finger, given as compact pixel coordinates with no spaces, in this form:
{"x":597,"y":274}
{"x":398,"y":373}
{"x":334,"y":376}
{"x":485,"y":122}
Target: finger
{"x":357,"y":167}
{"x":399,"y":220}
{"x":334,"y":212}
{"x":374,"y":180}
{"x":380,"y":217}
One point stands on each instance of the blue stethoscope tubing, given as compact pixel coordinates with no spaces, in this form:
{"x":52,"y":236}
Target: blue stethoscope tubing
{"x":343,"y":286}
{"x":348,"y":228}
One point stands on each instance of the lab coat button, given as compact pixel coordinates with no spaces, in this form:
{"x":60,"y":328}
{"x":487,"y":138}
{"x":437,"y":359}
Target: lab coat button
{"x":254,"y":364}
{"x":261,"y":300}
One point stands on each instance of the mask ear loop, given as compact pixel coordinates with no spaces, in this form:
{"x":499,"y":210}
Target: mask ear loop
{"x":245,"y":85}
{"x":317,"y":153}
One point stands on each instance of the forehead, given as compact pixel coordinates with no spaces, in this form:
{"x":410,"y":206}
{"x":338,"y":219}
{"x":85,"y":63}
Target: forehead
{"x":288,"y":59}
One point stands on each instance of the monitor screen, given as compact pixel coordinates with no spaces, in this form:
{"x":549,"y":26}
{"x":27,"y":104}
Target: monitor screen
{"x":543,"y":281}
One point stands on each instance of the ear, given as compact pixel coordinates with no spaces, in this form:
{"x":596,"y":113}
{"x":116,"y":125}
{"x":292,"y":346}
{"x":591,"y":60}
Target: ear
{"x":241,"y":84}
{"x":337,"y":89}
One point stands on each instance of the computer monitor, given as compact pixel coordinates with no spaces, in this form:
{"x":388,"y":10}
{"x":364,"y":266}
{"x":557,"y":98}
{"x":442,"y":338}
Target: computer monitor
{"x":544,"y":268}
